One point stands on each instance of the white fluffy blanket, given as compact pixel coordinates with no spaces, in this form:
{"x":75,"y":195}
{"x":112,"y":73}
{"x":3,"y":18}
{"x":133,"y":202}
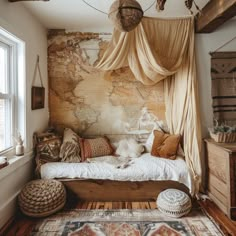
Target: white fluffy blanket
{"x":143,"y":168}
{"x":117,"y":162}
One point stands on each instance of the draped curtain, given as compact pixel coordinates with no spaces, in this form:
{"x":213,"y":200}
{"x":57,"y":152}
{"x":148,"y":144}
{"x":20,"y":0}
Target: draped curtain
{"x":160,"y":49}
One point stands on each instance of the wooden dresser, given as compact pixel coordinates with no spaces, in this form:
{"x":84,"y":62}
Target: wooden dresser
{"x":221,"y":170}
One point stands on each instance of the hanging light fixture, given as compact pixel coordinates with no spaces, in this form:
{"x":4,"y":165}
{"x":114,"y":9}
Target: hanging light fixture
{"x":125,"y":14}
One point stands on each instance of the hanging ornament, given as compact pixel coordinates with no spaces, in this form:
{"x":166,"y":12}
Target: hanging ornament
{"x":160,"y":5}
{"x":189,"y":4}
{"x":125,"y":14}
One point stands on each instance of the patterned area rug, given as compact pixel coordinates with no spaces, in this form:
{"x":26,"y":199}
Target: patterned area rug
{"x":125,"y":223}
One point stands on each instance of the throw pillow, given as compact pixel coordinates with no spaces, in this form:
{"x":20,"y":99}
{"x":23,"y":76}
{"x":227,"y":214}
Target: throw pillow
{"x":70,"y":148}
{"x":149,"y":142}
{"x":165,"y":145}
{"x":95,"y":147}
{"x":47,"y":150}
{"x":129,"y":148}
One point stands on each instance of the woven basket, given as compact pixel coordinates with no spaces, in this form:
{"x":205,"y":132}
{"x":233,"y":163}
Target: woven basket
{"x":125,"y":15}
{"x":222,"y":137}
{"x":40,"y":198}
{"x":174,"y":203}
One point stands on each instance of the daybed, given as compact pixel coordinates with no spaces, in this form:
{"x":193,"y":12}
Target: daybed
{"x":110,"y":178}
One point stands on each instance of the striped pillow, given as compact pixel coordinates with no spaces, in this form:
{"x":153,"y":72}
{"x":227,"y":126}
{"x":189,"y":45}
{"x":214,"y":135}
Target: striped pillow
{"x":95,"y":147}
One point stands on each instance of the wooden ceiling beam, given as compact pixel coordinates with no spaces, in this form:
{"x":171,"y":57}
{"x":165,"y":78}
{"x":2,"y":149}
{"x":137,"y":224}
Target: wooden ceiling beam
{"x":214,"y":14}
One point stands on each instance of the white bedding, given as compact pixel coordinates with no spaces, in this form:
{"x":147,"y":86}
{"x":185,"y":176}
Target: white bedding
{"x":143,"y":168}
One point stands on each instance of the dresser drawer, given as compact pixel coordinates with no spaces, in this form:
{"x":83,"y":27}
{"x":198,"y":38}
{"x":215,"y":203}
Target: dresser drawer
{"x":217,"y":184}
{"x":221,"y":172}
{"x":219,"y":192}
{"x":217,"y":164}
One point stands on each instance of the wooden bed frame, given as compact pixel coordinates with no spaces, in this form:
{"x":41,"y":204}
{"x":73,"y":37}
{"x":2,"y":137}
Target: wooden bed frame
{"x":110,"y":190}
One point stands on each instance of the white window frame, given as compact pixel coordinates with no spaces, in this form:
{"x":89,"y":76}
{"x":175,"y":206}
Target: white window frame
{"x":8,"y":95}
{"x":17,"y":88}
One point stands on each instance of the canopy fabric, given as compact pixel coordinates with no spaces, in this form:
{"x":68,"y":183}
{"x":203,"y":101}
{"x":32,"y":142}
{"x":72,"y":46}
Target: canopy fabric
{"x":160,"y":49}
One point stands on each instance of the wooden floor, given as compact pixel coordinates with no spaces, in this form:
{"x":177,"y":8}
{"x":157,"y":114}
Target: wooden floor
{"x":116,"y":205}
{"x":22,"y":225}
{"x":228,"y":226}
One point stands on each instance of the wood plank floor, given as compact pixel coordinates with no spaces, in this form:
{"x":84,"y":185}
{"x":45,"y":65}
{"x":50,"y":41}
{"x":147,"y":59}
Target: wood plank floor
{"x":116,"y":205}
{"x":228,"y":226}
{"x":22,"y":225}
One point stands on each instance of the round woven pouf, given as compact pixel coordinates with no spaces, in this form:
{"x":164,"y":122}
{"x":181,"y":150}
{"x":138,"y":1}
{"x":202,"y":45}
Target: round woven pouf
{"x":174,"y":203}
{"x":40,"y":198}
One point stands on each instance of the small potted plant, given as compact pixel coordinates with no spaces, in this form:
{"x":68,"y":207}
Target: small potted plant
{"x":223,"y":133}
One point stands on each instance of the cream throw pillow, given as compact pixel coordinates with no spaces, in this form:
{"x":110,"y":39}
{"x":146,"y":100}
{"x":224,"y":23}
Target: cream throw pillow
{"x":149,"y":142}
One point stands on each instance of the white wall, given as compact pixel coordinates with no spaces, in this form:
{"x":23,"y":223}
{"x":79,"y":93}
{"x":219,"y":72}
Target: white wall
{"x":17,"y":20}
{"x":12,"y":178}
{"x":206,"y":43}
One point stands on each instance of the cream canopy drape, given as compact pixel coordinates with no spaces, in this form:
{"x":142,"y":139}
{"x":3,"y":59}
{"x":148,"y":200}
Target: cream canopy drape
{"x":164,"y":49}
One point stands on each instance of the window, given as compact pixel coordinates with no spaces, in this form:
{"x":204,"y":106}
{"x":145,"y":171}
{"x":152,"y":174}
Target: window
{"x":6,"y":98}
{"x":11,"y":89}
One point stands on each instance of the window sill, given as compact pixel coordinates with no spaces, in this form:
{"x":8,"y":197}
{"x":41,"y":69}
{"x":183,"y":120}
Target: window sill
{"x":14,"y":163}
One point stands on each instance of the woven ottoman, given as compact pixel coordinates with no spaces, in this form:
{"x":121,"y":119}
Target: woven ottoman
{"x":174,"y":203}
{"x":40,"y":198}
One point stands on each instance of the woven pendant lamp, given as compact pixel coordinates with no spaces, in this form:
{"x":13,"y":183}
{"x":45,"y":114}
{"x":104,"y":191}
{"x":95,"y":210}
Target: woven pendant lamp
{"x":125,"y":14}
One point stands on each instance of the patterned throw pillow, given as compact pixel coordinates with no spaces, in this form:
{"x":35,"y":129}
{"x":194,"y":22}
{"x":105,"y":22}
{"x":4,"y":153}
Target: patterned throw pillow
{"x":47,"y":149}
{"x":95,"y":147}
{"x":70,"y":148}
{"x":165,"y":145}
{"x":40,"y":160}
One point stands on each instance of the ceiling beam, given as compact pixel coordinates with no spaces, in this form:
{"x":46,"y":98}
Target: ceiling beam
{"x":214,"y":14}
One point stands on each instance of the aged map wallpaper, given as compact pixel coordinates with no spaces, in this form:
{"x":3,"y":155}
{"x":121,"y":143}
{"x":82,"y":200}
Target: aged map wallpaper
{"x":94,"y":102}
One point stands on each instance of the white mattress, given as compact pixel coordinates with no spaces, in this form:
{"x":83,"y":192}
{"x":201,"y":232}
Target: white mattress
{"x":143,"y":168}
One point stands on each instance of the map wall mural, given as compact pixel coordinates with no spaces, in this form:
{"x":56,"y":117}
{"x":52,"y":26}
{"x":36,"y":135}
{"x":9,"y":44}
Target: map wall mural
{"x":91,"y":101}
